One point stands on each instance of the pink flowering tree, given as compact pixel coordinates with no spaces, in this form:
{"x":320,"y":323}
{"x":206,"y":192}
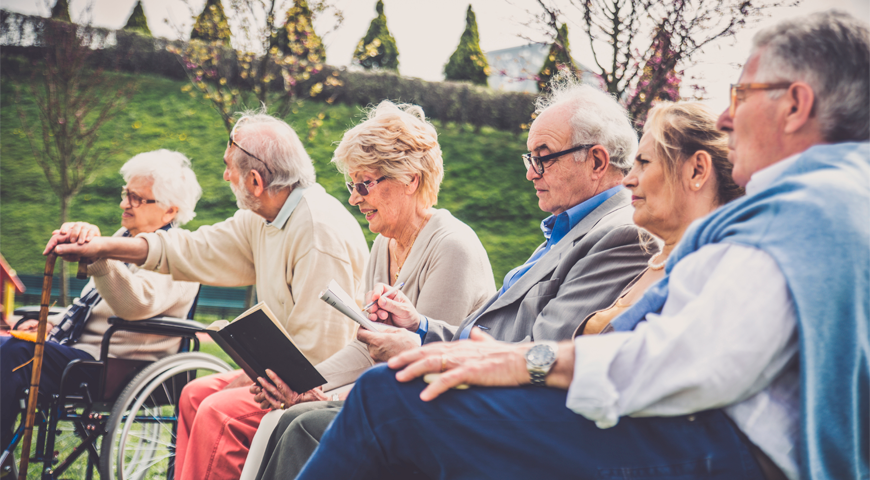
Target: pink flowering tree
{"x":640,"y":48}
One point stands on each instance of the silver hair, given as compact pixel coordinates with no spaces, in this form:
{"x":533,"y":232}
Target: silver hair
{"x":830,"y":51}
{"x":277,"y":147}
{"x":597,"y":118}
{"x":174,"y":185}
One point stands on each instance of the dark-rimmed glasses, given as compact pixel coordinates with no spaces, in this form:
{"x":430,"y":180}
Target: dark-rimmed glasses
{"x":134,"y":200}
{"x":233,"y":142}
{"x":538,"y":162}
{"x":362,"y":188}
{"x":743,"y":87}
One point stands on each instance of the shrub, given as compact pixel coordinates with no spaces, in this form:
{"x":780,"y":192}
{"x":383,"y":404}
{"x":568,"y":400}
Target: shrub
{"x":60,"y":11}
{"x":468,"y":61}
{"x":378,"y":48}
{"x":211,"y":25}
{"x":559,"y":57}
{"x":137,"y":21}
{"x":297,"y":37}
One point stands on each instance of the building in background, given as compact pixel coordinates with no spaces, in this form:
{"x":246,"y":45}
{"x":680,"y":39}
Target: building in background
{"x":514,"y":69}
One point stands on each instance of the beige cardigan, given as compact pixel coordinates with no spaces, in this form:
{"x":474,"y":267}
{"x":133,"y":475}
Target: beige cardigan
{"x":289,"y":263}
{"x":446,"y":275}
{"x":133,"y":294}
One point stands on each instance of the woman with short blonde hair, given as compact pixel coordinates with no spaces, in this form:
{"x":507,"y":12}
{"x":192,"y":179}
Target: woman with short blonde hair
{"x":394,"y":162}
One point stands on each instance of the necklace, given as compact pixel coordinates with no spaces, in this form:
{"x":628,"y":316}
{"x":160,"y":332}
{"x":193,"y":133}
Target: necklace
{"x":656,"y":266}
{"x":395,"y":257}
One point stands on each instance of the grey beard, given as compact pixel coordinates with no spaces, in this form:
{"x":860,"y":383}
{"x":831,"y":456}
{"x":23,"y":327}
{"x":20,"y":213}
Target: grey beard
{"x":244,"y":199}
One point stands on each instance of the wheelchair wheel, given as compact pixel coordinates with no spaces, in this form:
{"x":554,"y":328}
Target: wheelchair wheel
{"x":140,"y":438}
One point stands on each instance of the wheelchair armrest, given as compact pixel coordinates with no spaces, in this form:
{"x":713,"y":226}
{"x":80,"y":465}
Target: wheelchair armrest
{"x":32,"y":312}
{"x":166,"y":326}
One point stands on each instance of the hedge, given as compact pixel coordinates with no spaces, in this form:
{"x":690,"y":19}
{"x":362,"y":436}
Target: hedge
{"x":458,"y":102}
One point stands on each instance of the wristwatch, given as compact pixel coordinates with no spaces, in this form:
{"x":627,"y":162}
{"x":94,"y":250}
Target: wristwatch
{"x":539,"y":361}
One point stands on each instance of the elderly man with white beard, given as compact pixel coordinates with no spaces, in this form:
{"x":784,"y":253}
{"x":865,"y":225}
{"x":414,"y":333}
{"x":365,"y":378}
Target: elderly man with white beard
{"x":289,"y":238}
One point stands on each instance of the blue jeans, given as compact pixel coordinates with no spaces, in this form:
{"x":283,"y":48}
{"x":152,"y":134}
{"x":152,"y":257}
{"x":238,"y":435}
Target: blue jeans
{"x":386,"y":431}
{"x":14,"y":352}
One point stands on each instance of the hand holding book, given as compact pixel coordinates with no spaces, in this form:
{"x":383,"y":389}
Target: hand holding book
{"x":276,"y":395}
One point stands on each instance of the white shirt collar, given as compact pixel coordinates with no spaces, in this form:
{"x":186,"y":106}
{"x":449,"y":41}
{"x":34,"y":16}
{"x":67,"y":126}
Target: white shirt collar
{"x":762,"y":178}
{"x":289,"y":205}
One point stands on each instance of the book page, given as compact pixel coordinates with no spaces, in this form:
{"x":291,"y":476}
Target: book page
{"x":341,"y":301}
{"x":217,"y":325}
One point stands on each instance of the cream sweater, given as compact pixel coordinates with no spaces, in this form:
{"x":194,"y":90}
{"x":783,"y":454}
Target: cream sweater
{"x":133,"y":294}
{"x":446,"y":275}
{"x":289,"y":264}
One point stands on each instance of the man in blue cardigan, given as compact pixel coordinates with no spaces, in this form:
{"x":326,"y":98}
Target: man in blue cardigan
{"x":748,"y":360}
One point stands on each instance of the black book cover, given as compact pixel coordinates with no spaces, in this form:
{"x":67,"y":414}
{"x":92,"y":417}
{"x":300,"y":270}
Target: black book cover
{"x":256,"y":341}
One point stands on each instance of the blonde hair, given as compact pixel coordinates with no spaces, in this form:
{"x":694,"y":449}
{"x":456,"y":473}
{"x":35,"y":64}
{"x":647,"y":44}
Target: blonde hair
{"x":398,"y":142}
{"x":682,"y":129}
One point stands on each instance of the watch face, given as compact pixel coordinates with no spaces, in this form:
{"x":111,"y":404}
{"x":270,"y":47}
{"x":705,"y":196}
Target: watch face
{"x":541,"y":355}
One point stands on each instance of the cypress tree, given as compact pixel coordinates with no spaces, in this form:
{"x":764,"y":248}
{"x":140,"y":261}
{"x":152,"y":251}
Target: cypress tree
{"x":297,"y":37}
{"x":378,"y":48}
{"x":211,"y":25}
{"x":468,"y":61}
{"x":559,"y":57}
{"x":60,"y":11}
{"x":137,"y":21}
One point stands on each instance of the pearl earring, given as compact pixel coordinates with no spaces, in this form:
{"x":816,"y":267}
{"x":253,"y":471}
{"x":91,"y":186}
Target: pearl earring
{"x":697,"y":185}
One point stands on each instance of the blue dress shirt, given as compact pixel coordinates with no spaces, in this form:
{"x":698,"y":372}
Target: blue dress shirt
{"x":555,"y":228}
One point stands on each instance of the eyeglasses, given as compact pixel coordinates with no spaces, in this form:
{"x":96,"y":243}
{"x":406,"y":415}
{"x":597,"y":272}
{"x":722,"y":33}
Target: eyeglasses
{"x":233,"y":142}
{"x":363,"y":187}
{"x":134,"y":200}
{"x":538,"y":162}
{"x":743,"y":87}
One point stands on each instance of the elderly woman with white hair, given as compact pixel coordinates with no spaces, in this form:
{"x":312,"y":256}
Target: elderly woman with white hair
{"x":161,"y":193}
{"x":394,"y":164}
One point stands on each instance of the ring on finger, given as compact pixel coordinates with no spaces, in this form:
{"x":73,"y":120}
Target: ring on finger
{"x":443,"y":363}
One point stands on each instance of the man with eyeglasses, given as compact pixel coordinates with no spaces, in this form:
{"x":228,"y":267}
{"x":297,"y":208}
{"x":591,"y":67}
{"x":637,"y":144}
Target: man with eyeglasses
{"x":289,"y":238}
{"x":581,"y":144}
{"x":748,"y":360}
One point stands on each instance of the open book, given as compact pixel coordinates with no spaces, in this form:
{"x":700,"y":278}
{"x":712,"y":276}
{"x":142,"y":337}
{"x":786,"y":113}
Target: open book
{"x":341,"y":301}
{"x":256,"y":341}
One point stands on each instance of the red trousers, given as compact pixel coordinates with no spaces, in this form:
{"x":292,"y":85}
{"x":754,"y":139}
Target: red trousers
{"x":215,"y":428}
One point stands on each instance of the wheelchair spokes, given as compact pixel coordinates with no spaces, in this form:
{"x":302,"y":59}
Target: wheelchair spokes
{"x":143,"y":422}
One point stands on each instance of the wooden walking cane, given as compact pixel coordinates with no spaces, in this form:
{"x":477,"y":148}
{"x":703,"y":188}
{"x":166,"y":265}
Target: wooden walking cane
{"x":38,"y":351}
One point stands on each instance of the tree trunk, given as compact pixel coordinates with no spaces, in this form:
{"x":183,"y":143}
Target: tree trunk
{"x":64,"y":271}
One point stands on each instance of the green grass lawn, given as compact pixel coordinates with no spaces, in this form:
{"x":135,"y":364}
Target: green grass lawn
{"x":484,"y":183}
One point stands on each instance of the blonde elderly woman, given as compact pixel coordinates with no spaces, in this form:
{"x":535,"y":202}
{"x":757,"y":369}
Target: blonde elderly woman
{"x":395,"y":168}
{"x":161,"y":193}
{"x":681,"y":173}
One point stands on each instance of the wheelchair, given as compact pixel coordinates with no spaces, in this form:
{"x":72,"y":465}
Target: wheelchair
{"x":124,"y":424}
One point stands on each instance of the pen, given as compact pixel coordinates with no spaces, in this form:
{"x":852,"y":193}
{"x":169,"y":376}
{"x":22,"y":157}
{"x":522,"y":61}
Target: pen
{"x":385,"y":294}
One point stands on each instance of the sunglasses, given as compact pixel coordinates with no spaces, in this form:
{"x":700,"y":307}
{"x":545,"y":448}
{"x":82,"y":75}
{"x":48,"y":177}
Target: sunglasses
{"x":134,"y":200}
{"x":538,"y":162}
{"x":362,"y":188}
{"x":745,"y":87}
{"x":233,"y":142}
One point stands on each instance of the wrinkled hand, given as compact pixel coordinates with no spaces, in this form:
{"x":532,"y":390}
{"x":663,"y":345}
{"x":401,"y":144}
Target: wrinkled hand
{"x":277,"y":395}
{"x":70,"y":250}
{"x":78,"y":232}
{"x":242,"y":380}
{"x":388,"y":343}
{"x":397,"y":311}
{"x":479,"y":361}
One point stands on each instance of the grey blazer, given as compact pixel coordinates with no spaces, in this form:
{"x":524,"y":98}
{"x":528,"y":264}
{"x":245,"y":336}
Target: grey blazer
{"x":583,"y":273}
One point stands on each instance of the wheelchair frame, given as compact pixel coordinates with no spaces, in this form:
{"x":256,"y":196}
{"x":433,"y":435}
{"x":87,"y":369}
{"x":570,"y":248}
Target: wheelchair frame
{"x":120,"y":385}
